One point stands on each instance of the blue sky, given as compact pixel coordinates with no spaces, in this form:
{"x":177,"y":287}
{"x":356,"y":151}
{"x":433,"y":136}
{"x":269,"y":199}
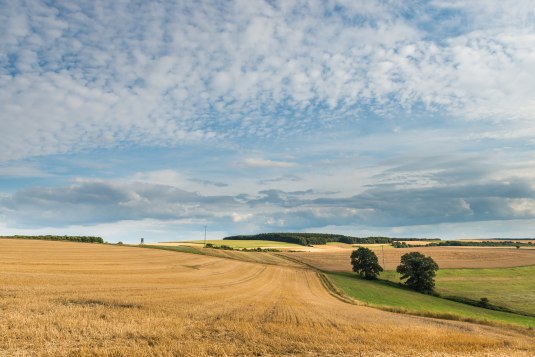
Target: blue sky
{"x":131,"y":119}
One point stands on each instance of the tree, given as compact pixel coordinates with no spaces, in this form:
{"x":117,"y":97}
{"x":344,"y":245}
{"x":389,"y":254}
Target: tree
{"x":419,"y":271}
{"x":365,"y":263}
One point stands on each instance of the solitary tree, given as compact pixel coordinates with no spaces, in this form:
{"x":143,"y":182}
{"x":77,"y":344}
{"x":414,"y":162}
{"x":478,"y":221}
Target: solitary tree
{"x":419,"y":271}
{"x":365,"y":263}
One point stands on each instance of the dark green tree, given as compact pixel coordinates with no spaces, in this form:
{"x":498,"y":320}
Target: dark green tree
{"x":365,"y":263}
{"x":419,"y":271}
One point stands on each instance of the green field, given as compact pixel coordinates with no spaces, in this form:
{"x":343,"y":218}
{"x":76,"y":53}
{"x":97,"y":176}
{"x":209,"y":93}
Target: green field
{"x":386,"y":295}
{"x":245,"y":243}
{"x":513,"y":288}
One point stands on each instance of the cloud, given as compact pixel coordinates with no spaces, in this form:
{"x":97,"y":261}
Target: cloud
{"x":257,"y":162}
{"x":99,"y":74}
{"x":249,"y":115}
{"x":22,"y":171}
{"x":93,"y":202}
{"x":237,"y":217}
{"x":209,"y":183}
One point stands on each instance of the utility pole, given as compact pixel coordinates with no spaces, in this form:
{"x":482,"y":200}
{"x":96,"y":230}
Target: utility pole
{"x":205,"y":234}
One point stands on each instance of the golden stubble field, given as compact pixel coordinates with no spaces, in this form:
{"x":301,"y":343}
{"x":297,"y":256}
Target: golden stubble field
{"x":338,"y":259}
{"x":73,"y":299}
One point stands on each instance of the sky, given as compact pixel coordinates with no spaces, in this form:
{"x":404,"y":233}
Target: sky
{"x":154,"y":119}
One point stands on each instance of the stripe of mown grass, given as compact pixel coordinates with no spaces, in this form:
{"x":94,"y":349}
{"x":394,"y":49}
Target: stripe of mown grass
{"x":388,"y":296}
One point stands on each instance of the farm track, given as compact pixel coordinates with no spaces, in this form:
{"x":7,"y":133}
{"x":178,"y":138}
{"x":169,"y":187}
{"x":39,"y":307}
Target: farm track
{"x":119,"y":301}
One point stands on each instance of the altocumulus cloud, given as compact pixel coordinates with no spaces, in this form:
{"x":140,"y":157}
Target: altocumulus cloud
{"x":104,"y":74}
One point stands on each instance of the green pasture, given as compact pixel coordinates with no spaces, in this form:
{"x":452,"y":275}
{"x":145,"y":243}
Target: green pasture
{"x":513,"y":288}
{"x":386,"y":295}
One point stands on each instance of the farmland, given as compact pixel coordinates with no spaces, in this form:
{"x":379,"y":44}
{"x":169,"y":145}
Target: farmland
{"x":337,"y":258}
{"x":240,"y":244}
{"x":513,"y":288}
{"x":257,"y":257}
{"x":61,"y":299}
{"x":383,"y":294}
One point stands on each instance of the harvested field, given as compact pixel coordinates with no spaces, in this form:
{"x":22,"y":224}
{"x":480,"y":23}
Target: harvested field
{"x":253,"y":257}
{"x":446,"y":257}
{"x":247,"y":243}
{"x":521,"y":240}
{"x":72,"y":299}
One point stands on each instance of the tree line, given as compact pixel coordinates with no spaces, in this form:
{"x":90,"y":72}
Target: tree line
{"x":320,"y":238}
{"x":82,"y":239}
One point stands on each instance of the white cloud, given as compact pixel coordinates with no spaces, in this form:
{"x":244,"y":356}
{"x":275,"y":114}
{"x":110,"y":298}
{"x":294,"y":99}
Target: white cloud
{"x":241,"y":217}
{"x":258,"y":162}
{"x":304,"y":93}
{"x":100,"y":75}
{"x":22,"y":171}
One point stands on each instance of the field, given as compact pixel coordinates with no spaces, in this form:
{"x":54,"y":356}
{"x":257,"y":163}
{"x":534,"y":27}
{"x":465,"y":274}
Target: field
{"x":338,"y":259}
{"x":74,"y":299}
{"x":500,"y":240}
{"x":513,"y":288}
{"x":383,"y":294}
{"x":252,"y":257}
{"x":239,"y":244}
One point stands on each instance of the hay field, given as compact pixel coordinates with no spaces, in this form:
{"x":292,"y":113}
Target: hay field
{"x":446,"y":257}
{"x":73,"y":299}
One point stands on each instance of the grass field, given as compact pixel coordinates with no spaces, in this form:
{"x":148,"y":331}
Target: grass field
{"x":71,"y":299}
{"x":383,"y":294}
{"x":513,"y":288}
{"x":446,"y":257}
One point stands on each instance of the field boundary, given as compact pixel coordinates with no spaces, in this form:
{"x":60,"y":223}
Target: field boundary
{"x":334,"y":291}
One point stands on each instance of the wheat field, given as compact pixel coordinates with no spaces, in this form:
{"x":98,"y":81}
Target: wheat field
{"x":75,"y":299}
